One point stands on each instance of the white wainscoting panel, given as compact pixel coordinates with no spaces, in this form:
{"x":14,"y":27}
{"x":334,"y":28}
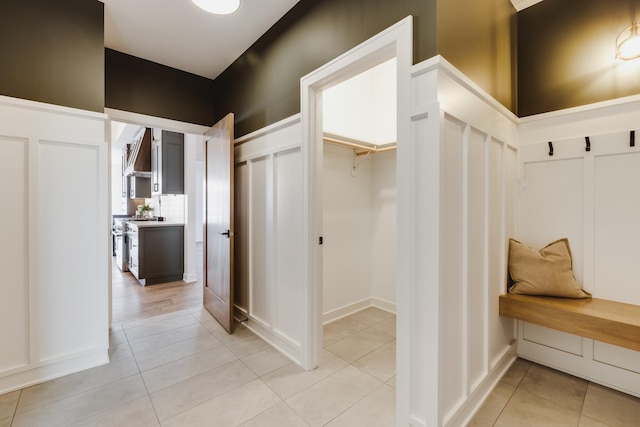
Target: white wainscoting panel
{"x":260,"y":238}
{"x":465,"y":143}
{"x":55,"y":224}
{"x":269,"y":189}
{"x":591,"y":197}
{"x":14,"y":232}
{"x":288,"y":286}
{"x":617,"y":229}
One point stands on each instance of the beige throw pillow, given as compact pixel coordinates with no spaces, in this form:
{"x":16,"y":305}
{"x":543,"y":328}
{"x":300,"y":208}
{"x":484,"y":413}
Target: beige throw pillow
{"x":545,"y":272}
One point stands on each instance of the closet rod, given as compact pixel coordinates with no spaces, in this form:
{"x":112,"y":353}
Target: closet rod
{"x":367,"y":149}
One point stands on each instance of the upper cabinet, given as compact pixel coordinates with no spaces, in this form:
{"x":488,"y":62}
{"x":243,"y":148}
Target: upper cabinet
{"x":167,"y":162}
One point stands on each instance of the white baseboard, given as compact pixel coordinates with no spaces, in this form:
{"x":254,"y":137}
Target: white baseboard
{"x":190,"y":277}
{"x":465,"y":412}
{"x":349,"y":309}
{"x":290,"y":349}
{"x":68,"y":365}
{"x":384,"y":305}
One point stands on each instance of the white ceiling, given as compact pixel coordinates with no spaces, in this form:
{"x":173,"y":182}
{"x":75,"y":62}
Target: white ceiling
{"x":178,"y":34}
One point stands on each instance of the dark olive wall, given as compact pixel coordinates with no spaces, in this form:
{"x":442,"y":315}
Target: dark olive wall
{"x":263,"y":85}
{"x":53,"y":52}
{"x":566,"y":54}
{"x":479,"y":38}
{"x":145,"y":87}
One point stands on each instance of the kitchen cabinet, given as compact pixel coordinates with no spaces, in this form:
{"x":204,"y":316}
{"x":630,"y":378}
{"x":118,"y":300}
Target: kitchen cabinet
{"x":125,"y":155}
{"x":167,"y":163}
{"x":139,"y":187}
{"x":156,"y":252}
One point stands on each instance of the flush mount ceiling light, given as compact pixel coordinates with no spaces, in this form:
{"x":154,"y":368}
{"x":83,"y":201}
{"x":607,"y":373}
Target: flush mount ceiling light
{"x":219,"y":7}
{"x":628,"y":43}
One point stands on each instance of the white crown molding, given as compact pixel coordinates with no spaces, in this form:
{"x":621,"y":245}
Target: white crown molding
{"x":523,"y":4}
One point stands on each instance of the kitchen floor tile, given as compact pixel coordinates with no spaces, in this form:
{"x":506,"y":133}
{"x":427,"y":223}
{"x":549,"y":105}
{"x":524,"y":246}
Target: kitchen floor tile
{"x":189,"y":393}
{"x":326,"y":399}
{"x":230,"y":409}
{"x":6,"y":422}
{"x":392,"y":382}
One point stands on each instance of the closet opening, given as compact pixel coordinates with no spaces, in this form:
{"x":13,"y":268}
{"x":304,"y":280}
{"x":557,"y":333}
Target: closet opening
{"x":359,"y":220}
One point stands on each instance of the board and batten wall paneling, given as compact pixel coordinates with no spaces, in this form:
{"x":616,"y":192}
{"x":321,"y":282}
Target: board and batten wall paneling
{"x":269,"y":285}
{"x":260,"y":240}
{"x":589,"y":197}
{"x":55,"y":177}
{"x":288,"y":286}
{"x":68,"y":178}
{"x":453,"y":288}
{"x":464,"y":143}
{"x":476,"y":254}
{"x":617,"y":246}
{"x":14,"y":259}
{"x":241,"y":258}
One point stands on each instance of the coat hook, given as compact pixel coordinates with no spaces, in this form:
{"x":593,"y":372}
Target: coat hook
{"x":588,"y":141}
{"x":550,"y":148}
{"x":632,"y":139}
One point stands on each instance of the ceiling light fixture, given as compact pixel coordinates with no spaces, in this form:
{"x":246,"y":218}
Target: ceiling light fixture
{"x":628,"y":43}
{"x":219,"y":7}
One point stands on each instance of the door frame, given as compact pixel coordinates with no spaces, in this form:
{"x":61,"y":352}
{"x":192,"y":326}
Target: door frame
{"x":115,"y":115}
{"x":396,"y":41}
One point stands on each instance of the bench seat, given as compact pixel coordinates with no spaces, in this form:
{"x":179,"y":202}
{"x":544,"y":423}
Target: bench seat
{"x":599,"y":319}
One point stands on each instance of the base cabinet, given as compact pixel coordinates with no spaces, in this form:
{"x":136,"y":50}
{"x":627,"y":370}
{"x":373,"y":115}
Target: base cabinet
{"x":156,"y":254}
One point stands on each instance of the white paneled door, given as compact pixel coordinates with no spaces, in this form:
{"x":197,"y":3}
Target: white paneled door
{"x":219,"y":227}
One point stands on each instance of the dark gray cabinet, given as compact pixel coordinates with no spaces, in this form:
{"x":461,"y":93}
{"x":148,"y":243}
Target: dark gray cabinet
{"x":139,"y":187}
{"x":156,"y":253}
{"x":167,"y":163}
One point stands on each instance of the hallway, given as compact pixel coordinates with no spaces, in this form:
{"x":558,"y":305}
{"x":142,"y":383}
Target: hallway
{"x":182,"y":369}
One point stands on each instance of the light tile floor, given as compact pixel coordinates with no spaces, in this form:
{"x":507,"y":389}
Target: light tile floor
{"x":533,"y":395}
{"x":182,"y":369}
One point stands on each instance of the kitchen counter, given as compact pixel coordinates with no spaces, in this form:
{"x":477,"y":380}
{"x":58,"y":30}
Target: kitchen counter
{"x":156,"y":251}
{"x":141,"y":224}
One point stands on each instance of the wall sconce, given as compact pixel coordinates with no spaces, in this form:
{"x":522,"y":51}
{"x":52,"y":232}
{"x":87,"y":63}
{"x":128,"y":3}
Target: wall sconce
{"x":219,"y":7}
{"x":628,"y":43}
